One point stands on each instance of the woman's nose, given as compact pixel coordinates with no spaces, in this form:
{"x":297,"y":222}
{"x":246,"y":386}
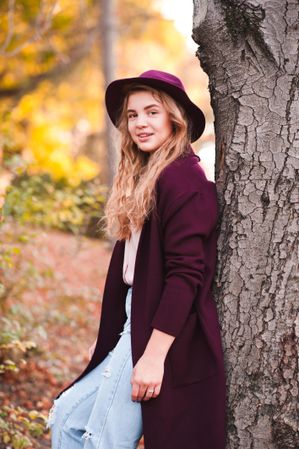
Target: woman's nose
{"x":141,"y":121}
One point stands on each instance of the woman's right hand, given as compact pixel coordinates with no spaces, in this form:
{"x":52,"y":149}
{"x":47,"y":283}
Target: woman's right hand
{"x":91,"y":349}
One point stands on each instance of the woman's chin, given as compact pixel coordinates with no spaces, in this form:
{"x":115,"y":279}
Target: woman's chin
{"x":146,"y":149}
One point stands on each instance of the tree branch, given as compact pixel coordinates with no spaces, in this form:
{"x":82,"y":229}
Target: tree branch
{"x":75,"y":55}
{"x":42,"y":25}
{"x":11,"y":26}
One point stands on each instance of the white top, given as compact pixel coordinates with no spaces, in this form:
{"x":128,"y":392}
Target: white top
{"x":131,"y":246}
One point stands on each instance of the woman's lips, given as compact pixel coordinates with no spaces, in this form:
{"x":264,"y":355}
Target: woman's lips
{"x":144,"y":136}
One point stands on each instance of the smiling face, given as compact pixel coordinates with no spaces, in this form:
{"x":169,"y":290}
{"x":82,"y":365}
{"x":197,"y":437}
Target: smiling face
{"x":148,"y":121}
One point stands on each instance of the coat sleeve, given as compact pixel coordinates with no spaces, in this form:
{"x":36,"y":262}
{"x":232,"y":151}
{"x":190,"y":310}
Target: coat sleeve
{"x":186,"y":221}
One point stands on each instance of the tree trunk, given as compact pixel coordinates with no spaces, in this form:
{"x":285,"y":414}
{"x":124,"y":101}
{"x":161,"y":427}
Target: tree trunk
{"x":108,"y":27}
{"x":249,"y":49}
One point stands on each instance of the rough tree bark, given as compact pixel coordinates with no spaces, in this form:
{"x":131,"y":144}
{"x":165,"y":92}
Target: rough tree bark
{"x":249,"y":49}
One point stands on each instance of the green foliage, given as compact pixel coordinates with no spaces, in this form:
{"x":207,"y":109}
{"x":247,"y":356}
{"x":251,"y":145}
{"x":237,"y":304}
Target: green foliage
{"x":13,"y":345}
{"x":16,"y":423}
{"x":41,"y":201}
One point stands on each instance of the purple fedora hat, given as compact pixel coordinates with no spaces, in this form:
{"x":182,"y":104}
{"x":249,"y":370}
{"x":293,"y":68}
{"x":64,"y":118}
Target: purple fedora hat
{"x":164,"y":81}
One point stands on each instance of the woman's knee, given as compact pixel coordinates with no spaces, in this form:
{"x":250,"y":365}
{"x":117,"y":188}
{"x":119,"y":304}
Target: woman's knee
{"x":71,"y":396}
{"x":60,"y":407}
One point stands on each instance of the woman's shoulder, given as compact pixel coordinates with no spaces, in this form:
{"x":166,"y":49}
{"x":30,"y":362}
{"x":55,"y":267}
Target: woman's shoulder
{"x":184,"y":175}
{"x":183,"y":188}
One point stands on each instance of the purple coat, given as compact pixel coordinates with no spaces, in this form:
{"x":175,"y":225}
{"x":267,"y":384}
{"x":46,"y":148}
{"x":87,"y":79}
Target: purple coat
{"x":174,"y":270}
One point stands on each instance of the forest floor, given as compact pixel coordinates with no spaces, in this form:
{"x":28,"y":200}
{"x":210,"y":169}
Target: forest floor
{"x":61,"y":298}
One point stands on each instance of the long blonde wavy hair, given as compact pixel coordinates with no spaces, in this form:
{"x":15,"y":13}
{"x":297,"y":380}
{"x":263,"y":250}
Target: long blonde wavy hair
{"x":132,"y":197}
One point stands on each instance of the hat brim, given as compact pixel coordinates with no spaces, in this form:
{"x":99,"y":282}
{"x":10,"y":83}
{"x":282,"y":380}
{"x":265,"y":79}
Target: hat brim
{"x":116,"y":92}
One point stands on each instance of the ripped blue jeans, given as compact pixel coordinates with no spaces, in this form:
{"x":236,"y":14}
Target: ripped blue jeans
{"x":97,"y":412}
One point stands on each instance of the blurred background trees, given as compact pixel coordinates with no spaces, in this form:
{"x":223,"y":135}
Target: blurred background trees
{"x":52,"y":80}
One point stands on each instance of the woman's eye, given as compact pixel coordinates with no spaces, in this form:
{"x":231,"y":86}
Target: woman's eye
{"x":130,"y":116}
{"x":153,"y":112}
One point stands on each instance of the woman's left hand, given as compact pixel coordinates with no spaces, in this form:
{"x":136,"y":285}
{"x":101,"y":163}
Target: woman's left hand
{"x":147,"y":378}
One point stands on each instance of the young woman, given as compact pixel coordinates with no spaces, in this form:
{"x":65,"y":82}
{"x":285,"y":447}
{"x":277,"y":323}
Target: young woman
{"x":157,"y":366}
